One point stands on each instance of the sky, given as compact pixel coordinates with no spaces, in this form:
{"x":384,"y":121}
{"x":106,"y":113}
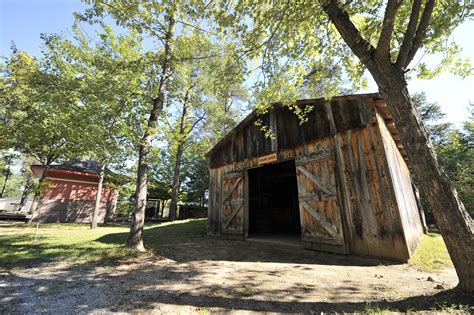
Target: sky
{"x":22,"y":21}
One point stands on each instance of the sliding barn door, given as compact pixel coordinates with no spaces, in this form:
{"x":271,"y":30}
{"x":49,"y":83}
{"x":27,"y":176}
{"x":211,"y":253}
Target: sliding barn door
{"x":320,"y":214}
{"x":232,"y":210}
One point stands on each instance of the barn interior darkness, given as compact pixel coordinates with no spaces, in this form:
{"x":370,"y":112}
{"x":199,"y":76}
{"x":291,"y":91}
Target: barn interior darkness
{"x":273,"y":202}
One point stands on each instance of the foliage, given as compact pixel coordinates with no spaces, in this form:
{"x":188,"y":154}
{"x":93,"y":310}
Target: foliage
{"x":197,"y":182}
{"x":431,"y":115}
{"x":42,"y":118}
{"x":454,"y":147}
{"x":161,"y":175}
{"x":457,"y":157}
{"x":108,"y":73}
{"x":14,"y":185}
{"x":296,"y":43}
{"x":77,"y":243}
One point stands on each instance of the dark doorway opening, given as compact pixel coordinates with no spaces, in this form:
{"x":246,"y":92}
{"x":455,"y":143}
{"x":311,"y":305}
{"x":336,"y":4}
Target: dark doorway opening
{"x":273,"y":200}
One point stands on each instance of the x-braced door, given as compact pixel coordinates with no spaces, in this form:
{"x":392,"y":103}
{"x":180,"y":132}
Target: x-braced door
{"x":232,"y":215}
{"x":320,"y":215}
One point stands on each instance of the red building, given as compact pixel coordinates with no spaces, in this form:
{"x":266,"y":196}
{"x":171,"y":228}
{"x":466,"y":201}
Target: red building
{"x":70,"y":193}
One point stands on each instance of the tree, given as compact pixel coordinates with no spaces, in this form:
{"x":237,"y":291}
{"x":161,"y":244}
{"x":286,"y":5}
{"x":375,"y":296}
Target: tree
{"x":161,"y":176}
{"x":109,"y":79}
{"x":158,"y":22}
{"x":431,"y":116}
{"x":27,"y":175}
{"x":453,"y":146}
{"x":197,"y":91}
{"x":196,"y":184}
{"x":42,"y":117}
{"x":288,"y":35}
{"x":6,"y":169}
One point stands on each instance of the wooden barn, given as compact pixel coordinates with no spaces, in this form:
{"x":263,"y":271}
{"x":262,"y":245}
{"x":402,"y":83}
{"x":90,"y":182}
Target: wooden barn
{"x":338,"y":182}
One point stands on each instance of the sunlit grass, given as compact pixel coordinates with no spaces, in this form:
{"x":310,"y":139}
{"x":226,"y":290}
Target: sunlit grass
{"x":76,"y":242}
{"x":431,"y":254}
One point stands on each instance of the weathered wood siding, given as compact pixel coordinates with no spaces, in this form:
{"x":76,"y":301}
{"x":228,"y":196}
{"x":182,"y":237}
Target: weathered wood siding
{"x":248,"y":141}
{"x":372,"y":211}
{"x":319,"y":203}
{"x":406,"y":200}
{"x":354,"y":191}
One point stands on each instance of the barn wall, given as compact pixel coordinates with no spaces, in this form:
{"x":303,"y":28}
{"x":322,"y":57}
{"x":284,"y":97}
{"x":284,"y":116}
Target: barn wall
{"x":405,"y":196}
{"x":371,"y":212}
{"x":58,"y":211}
{"x":374,"y":212}
{"x":71,"y":201}
{"x":247,"y":140}
{"x":214,"y":202}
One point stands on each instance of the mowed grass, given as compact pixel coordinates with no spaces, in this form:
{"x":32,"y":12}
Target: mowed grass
{"x":432,"y":254}
{"x":78,"y":243}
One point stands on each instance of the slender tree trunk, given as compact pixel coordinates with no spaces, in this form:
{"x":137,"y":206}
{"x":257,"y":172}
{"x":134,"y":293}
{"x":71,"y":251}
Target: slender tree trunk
{"x":26,"y":192}
{"x":454,"y":222}
{"x":176,"y":182}
{"x":7,"y":175}
{"x":135,"y":237}
{"x":37,"y":200}
{"x":98,"y":197}
{"x":163,"y":204}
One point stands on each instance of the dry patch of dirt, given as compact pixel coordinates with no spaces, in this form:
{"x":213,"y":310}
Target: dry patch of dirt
{"x":221,"y":275}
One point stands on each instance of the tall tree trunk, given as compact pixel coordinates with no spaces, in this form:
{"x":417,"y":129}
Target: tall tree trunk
{"x":179,"y":156}
{"x":454,"y":222}
{"x":37,"y":200}
{"x":37,"y":196}
{"x":176,"y":182}
{"x":26,"y":192}
{"x":7,"y":175}
{"x":135,"y":237}
{"x":98,"y":197}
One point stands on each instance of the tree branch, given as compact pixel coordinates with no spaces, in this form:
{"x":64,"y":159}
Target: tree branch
{"x":196,"y":122}
{"x":383,"y":45}
{"x":409,"y":34}
{"x":420,"y":32}
{"x":351,"y":35}
{"x":195,"y":27}
{"x":201,"y":57}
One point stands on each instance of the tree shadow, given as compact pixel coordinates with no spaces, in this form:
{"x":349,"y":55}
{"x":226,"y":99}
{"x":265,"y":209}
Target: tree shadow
{"x":20,"y":251}
{"x":188,"y":241}
{"x":178,"y":274}
{"x":153,"y":285}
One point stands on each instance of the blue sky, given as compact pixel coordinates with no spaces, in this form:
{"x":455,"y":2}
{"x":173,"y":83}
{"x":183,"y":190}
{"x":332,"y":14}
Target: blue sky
{"x":22,"y":21}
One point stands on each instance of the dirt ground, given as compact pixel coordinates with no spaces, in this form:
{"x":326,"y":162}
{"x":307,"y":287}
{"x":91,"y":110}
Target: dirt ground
{"x":221,"y":276}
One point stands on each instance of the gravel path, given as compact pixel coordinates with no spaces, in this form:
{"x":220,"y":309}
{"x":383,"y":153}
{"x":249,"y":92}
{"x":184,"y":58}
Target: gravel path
{"x":220,"y":275}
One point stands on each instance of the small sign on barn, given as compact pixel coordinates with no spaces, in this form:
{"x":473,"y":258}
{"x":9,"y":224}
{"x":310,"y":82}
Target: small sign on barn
{"x":267,"y":159}
{"x":339,"y":182}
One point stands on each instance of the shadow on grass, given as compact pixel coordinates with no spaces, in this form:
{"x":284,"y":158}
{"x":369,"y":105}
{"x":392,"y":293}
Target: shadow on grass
{"x":187,"y":241}
{"x":80,"y":286}
{"x":158,"y":235}
{"x":20,"y":251}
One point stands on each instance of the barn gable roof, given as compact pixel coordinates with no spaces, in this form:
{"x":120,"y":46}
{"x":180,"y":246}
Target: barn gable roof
{"x":349,"y":111}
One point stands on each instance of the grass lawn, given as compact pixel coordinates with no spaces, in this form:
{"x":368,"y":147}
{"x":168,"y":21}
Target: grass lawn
{"x":431,"y":254}
{"x":76,"y":242}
